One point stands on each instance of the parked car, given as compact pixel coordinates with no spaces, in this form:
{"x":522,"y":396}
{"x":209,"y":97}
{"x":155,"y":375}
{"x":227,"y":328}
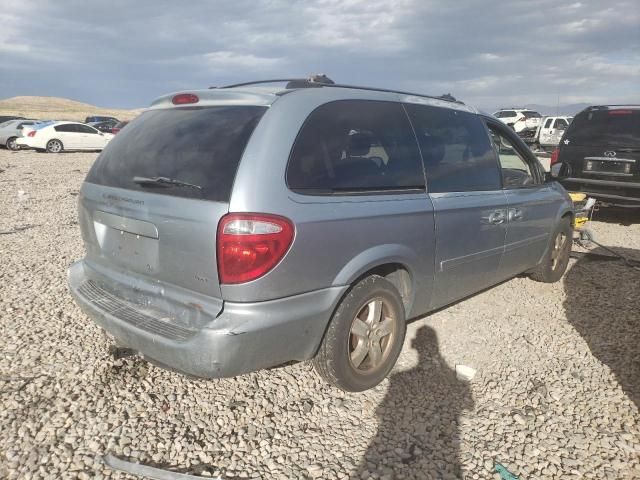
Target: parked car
{"x":522,"y":120}
{"x":105,"y":127}
{"x":11,"y":130}
{"x":54,"y":137}
{"x":6,"y":118}
{"x":599,"y":154}
{"x":550,"y":130}
{"x":119,"y":126}
{"x":100,"y":118}
{"x":262,"y":227}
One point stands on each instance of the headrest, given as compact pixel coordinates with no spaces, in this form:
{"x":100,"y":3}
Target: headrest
{"x":359,"y":143}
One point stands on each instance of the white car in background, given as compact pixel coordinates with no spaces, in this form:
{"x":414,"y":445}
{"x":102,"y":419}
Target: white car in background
{"x":519,"y":118}
{"x":11,"y":130}
{"x":54,"y":137}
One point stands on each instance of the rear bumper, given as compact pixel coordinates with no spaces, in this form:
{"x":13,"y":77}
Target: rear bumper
{"x":244,"y":337}
{"x":611,"y":191}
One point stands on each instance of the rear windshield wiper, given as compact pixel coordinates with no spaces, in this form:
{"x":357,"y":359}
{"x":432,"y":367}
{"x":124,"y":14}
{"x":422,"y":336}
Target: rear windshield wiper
{"x":164,"y":182}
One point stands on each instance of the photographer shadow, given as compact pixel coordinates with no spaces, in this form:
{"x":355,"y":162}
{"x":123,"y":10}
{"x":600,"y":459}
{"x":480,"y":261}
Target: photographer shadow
{"x":418,"y":432}
{"x":603,"y":305}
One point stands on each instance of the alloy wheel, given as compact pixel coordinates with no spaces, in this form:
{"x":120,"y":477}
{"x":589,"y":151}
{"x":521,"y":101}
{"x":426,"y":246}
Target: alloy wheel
{"x":372,"y":336}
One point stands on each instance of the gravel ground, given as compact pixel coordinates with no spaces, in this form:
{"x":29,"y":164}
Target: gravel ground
{"x":556,"y":393}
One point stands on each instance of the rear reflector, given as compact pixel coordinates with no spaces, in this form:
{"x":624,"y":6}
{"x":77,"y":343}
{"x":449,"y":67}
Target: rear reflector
{"x":554,"y":156}
{"x":249,"y":245}
{"x":184,"y":98}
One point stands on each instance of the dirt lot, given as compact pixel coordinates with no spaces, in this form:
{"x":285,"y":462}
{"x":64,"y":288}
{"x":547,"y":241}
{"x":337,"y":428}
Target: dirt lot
{"x":556,"y":394}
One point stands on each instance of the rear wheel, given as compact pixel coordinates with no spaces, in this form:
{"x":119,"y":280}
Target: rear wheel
{"x":556,"y":260}
{"x":54,"y":146}
{"x":364,"y":338}
{"x":12,"y":145}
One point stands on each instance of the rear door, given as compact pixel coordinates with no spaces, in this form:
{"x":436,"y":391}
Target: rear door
{"x":463,"y":181}
{"x":532,"y":204}
{"x":68,"y":135}
{"x":158,"y":232}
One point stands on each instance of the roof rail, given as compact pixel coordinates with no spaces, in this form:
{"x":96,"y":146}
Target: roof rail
{"x":316,"y":80}
{"x":321,"y":80}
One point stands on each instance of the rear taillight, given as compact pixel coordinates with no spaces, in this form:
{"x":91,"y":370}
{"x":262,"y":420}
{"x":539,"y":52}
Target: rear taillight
{"x":32,"y":133}
{"x":250,"y":244}
{"x":554,"y":156}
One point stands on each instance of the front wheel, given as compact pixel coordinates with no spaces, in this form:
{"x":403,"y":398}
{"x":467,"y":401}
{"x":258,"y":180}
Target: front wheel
{"x":12,"y":145}
{"x":556,"y":259}
{"x":364,"y":338}
{"x":54,"y":146}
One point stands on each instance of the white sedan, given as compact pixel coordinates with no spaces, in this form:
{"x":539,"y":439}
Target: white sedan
{"x":54,"y":137}
{"x":11,"y":130}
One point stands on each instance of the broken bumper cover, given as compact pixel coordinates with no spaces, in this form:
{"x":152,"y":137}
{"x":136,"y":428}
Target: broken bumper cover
{"x":243,"y":338}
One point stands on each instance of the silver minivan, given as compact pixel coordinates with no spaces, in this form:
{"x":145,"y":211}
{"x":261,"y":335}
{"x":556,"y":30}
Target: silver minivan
{"x":239,"y":228}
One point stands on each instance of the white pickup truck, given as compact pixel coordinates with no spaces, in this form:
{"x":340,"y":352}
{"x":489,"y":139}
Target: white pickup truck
{"x":549,"y":131}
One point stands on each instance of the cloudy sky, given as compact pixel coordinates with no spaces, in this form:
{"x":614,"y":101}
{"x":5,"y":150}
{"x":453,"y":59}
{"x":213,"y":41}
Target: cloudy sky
{"x":488,"y":53}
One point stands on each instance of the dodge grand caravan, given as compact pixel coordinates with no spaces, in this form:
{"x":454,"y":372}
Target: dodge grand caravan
{"x":243,"y":227}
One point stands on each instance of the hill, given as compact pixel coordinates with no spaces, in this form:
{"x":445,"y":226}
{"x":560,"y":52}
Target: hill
{"x":55,"y":108}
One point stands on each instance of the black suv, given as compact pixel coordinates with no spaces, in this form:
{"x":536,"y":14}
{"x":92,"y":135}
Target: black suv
{"x":599,"y":154}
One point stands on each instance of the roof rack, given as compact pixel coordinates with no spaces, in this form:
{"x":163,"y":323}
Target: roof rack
{"x":322,"y":80}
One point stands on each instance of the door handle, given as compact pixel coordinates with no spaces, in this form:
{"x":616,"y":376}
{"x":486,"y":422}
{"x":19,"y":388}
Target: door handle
{"x":515,"y":214}
{"x":496,"y":217}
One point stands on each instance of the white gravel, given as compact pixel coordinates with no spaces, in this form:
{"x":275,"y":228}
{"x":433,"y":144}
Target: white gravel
{"x":555,"y":395}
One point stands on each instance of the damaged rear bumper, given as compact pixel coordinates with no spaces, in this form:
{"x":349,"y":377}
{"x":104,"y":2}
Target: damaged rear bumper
{"x":244,"y":337}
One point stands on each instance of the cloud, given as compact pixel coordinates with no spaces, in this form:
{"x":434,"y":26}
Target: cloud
{"x":486,"y":52}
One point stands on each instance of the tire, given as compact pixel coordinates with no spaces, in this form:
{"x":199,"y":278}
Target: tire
{"x":357,"y":328}
{"x":11,"y":144}
{"x":556,"y":259}
{"x":54,"y":146}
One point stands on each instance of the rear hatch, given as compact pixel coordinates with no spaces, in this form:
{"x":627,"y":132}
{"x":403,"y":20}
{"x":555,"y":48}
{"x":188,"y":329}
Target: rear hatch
{"x":151,"y":203}
{"x":603,"y":144}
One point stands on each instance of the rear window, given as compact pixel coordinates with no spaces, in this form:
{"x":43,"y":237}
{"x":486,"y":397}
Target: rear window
{"x":531,"y":115}
{"x":197,"y":145}
{"x":606,"y":127}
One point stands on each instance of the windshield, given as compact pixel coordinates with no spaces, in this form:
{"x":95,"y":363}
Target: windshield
{"x":196,"y":145}
{"x":606,"y":127}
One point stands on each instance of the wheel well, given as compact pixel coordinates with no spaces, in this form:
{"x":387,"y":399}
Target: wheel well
{"x":568,"y":215}
{"x":398,"y":275}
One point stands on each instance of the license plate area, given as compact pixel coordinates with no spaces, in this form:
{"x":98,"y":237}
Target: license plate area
{"x":607,"y":166}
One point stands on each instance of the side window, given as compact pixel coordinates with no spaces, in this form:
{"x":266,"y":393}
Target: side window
{"x":516,"y":172}
{"x":457,"y":153}
{"x":547,"y":124}
{"x":66,"y":127}
{"x":355,"y":146}
{"x":499,"y":114}
{"x":85,"y":129}
{"x":561,"y":124}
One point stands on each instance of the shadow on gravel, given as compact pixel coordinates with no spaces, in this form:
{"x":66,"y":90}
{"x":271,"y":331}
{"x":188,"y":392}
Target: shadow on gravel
{"x":418,"y":434}
{"x":617,"y":215}
{"x":603,"y":305}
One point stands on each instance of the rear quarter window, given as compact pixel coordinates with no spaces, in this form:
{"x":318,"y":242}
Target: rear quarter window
{"x":197,"y":145}
{"x":355,"y":146}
